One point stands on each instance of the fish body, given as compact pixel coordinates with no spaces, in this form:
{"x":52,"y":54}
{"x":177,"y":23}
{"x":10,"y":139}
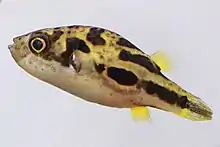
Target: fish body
{"x":101,"y":66}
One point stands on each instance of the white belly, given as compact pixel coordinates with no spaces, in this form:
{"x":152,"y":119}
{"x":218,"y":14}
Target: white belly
{"x":87,"y":87}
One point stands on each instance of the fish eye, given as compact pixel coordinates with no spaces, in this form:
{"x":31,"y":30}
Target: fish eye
{"x":38,"y":44}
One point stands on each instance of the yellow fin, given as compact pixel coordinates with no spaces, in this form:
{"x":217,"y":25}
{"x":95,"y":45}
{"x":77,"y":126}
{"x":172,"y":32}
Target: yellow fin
{"x":162,"y":60}
{"x":140,"y":113}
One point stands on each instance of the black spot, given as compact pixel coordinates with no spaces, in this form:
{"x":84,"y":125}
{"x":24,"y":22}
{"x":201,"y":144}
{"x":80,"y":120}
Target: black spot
{"x":122,"y":76}
{"x":183,"y":102}
{"x":56,"y":35}
{"x":163,"y":93}
{"x":77,"y":44}
{"x":73,"y":44}
{"x":125,"y":55}
{"x":140,"y":60}
{"x":94,"y":36}
{"x":66,"y":58}
{"x":99,"y":67}
{"x":124,"y":42}
{"x":101,"y":57}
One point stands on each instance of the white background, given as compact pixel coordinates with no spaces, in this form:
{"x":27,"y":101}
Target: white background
{"x":36,"y":114}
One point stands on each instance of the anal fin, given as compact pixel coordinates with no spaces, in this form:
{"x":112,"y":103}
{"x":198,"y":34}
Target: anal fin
{"x":140,"y":113}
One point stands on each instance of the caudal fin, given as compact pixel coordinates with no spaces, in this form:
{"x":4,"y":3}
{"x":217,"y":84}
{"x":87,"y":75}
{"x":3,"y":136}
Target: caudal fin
{"x":197,"y":110}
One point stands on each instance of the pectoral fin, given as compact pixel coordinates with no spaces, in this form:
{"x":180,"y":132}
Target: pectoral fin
{"x":162,"y":60}
{"x":140,"y":113}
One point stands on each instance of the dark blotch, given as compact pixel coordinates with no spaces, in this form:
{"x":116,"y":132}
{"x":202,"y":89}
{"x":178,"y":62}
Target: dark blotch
{"x":77,"y":44}
{"x":99,"y":67}
{"x":183,"y":102}
{"x":56,"y":35}
{"x":163,"y":93}
{"x":140,"y":60}
{"x":122,"y":76}
{"x":124,"y":42}
{"x":66,"y":58}
{"x":94,"y":36}
{"x":73,"y":44}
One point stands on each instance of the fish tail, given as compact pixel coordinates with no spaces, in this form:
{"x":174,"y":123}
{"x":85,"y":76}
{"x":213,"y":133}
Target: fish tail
{"x":196,"y":110}
{"x":172,"y":98}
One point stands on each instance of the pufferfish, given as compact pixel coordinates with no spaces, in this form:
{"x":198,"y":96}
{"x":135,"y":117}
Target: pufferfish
{"x":102,"y":67}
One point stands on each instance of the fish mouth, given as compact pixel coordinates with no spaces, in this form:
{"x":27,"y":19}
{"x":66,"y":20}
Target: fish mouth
{"x":14,"y":52}
{"x":10,"y":47}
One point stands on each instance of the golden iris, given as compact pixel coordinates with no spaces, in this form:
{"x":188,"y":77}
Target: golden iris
{"x":38,"y":44}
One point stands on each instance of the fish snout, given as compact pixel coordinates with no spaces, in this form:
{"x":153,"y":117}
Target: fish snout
{"x":10,"y":47}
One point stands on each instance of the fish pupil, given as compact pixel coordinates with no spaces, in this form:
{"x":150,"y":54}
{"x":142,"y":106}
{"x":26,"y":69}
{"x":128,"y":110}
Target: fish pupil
{"x":37,"y":44}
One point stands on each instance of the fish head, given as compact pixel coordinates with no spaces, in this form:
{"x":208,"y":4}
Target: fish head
{"x":19,"y":49}
{"x":42,"y":54}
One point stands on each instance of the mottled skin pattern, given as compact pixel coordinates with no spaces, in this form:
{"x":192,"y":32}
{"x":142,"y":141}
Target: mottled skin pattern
{"x":101,"y":66}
